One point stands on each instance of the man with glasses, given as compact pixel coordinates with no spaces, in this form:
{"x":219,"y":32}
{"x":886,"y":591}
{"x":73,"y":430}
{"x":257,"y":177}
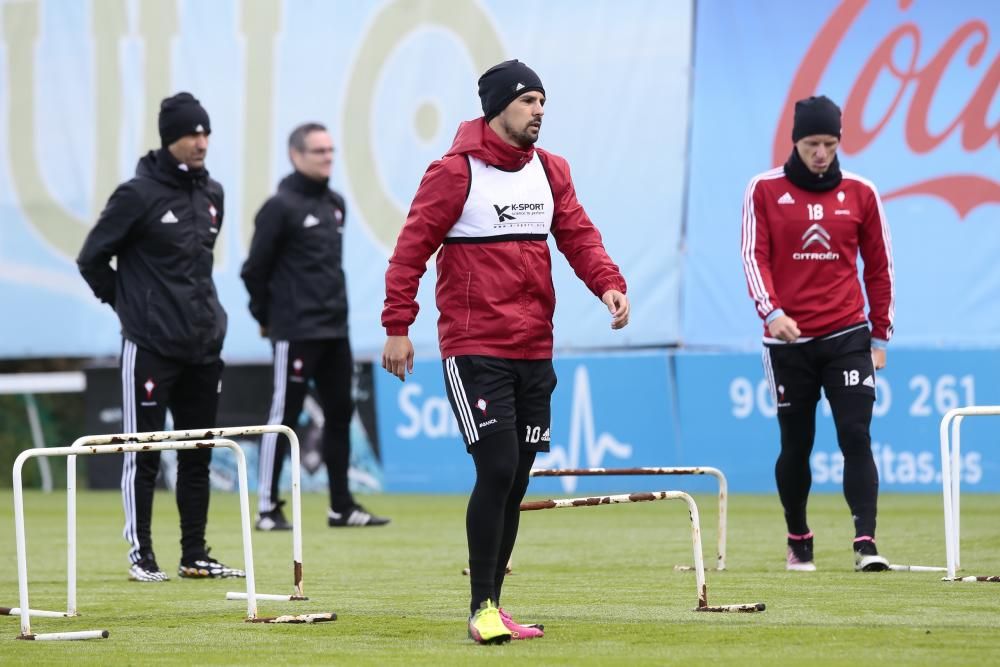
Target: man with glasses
{"x":298,"y":296}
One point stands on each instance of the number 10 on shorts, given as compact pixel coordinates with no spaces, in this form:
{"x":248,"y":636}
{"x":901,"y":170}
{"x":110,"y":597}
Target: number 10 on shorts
{"x":534,"y":434}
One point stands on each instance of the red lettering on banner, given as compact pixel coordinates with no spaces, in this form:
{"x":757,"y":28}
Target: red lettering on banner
{"x":856,"y":138}
{"x":917,"y":136}
{"x":963,"y":191}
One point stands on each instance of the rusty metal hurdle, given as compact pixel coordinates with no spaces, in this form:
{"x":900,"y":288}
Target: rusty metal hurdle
{"x":720,"y":563}
{"x":699,"y":560}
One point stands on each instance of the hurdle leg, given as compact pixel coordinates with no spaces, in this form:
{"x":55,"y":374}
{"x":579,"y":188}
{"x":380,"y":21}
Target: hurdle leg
{"x":720,"y":564}
{"x":293,"y":440}
{"x":956,"y":483}
{"x":22,"y":556}
{"x":241,"y":471}
{"x":946,"y":472}
{"x":71,"y":535}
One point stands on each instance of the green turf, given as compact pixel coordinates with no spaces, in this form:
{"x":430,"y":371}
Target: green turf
{"x":601,"y":579}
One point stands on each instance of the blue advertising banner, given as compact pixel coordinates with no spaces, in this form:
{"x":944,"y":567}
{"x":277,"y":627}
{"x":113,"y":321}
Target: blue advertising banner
{"x":917,"y":82}
{"x":81,"y":83}
{"x":686,"y":409}
{"x":727,"y":420}
{"x":608,"y":411}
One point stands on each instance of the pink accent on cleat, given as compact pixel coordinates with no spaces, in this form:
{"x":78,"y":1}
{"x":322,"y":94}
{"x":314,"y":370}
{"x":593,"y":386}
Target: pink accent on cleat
{"x":519,"y":631}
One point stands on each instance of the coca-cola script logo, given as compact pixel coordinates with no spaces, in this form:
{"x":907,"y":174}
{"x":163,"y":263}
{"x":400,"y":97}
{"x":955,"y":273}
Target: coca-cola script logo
{"x":963,"y":191}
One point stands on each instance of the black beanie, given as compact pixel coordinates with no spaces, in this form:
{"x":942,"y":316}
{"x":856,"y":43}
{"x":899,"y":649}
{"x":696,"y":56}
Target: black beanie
{"x":181,"y":115}
{"x":816,"y":115}
{"x":500,"y":84}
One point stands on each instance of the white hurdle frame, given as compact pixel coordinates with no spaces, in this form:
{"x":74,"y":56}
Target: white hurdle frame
{"x":720,"y":563}
{"x":699,"y":559}
{"x":161,"y":436}
{"x":71,"y":453}
{"x":951,"y":480}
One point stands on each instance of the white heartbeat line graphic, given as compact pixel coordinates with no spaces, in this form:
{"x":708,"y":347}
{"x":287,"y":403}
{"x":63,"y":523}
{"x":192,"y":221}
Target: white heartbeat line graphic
{"x":581,"y":427}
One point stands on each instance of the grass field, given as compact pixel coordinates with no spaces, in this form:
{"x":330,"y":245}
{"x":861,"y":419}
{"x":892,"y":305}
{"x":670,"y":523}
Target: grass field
{"x":601,"y":579}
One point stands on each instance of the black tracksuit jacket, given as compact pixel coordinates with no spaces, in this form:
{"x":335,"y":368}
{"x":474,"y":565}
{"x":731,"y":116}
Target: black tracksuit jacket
{"x":162,"y":226}
{"x":293,"y":272}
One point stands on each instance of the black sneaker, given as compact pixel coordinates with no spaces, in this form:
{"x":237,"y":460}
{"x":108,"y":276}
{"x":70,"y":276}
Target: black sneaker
{"x":354,"y":516}
{"x":146,"y":569}
{"x":867,"y":558}
{"x":206,"y":567}
{"x":273,"y":520}
{"x":800,"y":555}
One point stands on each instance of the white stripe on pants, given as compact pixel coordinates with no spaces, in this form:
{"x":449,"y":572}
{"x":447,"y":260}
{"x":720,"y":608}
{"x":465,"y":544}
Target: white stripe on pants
{"x":467,"y":421}
{"x":269,"y":442}
{"x":128,"y":464}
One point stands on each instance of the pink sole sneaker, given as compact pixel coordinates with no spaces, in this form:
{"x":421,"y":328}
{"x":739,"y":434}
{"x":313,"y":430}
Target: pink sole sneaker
{"x":519,"y":631}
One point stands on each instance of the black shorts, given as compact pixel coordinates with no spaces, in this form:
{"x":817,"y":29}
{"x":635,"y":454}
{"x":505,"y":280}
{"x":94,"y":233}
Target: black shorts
{"x":840,"y":362}
{"x":490,"y":395}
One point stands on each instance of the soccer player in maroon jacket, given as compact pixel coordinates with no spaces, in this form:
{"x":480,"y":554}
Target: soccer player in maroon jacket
{"x":489,"y":204}
{"x":803,"y":226}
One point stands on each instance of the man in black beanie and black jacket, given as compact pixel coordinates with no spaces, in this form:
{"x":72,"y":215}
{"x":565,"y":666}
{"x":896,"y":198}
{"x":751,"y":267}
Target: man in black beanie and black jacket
{"x":161,"y":226}
{"x":298,"y":296}
{"x":804,"y":225}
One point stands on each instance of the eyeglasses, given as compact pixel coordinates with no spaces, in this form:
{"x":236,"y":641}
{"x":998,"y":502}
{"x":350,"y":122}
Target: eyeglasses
{"x":320,"y":151}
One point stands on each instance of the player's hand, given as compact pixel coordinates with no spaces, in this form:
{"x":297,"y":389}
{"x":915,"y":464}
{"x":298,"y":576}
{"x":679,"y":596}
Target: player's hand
{"x":397,"y":356}
{"x":784,"y":328}
{"x":878,"y":357}
{"x":618,"y":306}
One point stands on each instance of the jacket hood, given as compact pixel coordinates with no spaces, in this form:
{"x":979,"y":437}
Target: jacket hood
{"x":476,"y":138}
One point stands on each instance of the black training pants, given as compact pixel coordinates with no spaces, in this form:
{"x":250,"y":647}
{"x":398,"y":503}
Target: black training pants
{"x":330,"y":365}
{"x":841,"y":365}
{"x":152,"y":384}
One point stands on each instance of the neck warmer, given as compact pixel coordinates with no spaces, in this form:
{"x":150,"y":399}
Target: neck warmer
{"x":798,"y":173}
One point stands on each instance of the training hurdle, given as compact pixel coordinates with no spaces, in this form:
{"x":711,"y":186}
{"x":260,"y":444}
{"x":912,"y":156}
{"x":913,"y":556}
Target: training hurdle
{"x":951,"y":480}
{"x":298,"y":592}
{"x":25,"y":611}
{"x":699,"y":560}
{"x":720,"y":563}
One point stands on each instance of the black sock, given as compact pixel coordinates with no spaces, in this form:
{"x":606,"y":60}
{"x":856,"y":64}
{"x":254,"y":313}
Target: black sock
{"x":496,"y":459}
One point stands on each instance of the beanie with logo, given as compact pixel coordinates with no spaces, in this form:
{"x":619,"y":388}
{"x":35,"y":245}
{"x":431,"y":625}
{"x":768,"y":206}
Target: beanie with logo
{"x":181,"y":115}
{"x":502,"y":83}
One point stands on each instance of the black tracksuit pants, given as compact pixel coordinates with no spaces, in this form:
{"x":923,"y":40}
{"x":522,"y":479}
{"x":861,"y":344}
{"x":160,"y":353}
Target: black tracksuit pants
{"x":151,"y":384}
{"x":841,"y":364}
{"x":330,"y":365}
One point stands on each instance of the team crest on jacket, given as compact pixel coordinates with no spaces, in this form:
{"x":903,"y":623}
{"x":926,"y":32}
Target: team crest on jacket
{"x":481,"y":404}
{"x":214,"y":212}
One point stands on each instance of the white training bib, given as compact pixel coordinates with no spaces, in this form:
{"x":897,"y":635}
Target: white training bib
{"x":504,"y":205}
